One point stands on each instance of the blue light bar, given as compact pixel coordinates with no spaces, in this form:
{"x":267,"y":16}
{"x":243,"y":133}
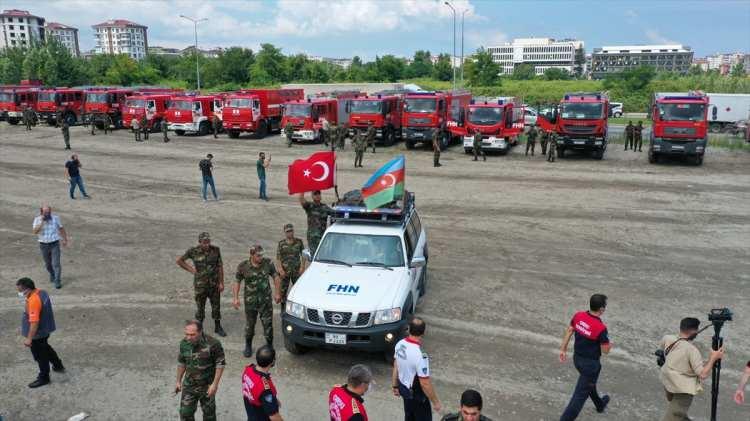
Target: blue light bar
{"x":500,"y":102}
{"x":567,"y":97}
{"x":472,"y":102}
{"x":362,"y":209}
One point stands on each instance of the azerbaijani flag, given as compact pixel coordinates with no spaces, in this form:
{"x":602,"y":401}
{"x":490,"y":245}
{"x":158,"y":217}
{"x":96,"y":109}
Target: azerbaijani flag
{"x":386,"y":185}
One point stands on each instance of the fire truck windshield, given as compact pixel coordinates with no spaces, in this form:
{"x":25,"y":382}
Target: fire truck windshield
{"x":297,"y":110}
{"x":181,"y":105}
{"x":239,"y":103}
{"x":136,"y":103}
{"x":98,"y":97}
{"x":366,"y":107}
{"x":47,"y":96}
{"x":6,"y":97}
{"x":581,"y":111}
{"x":485,"y":115}
{"x":421,"y":105}
{"x":681,"y":112}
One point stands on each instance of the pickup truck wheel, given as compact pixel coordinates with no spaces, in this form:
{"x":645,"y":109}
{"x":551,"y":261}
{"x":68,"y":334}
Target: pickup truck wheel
{"x":293,"y":347}
{"x":180,"y":132}
{"x":234,"y":134}
{"x":467,"y":151}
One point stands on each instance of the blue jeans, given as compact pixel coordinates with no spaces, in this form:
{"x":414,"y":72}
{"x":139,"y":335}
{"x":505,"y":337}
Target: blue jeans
{"x":263,"y":188}
{"x":51,"y":256}
{"x":209,"y":181}
{"x":588,"y":370}
{"x":77,"y":181}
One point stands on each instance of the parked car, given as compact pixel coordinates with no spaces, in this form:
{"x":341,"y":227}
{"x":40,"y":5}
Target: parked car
{"x":529,"y":116}
{"x":615,"y":109}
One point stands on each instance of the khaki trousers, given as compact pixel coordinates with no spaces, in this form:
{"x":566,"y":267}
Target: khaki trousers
{"x":678,"y":406}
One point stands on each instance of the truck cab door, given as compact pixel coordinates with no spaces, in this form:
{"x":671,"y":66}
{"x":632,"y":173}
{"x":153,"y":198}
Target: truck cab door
{"x":197,"y":109}
{"x":256,"y":109}
{"x":217,"y":108}
{"x":150,"y":109}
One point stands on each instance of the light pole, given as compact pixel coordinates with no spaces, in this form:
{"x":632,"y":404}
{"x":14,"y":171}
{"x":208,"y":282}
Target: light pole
{"x":453,"y":58}
{"x":195,"y":27}
{"x":462,"y":45}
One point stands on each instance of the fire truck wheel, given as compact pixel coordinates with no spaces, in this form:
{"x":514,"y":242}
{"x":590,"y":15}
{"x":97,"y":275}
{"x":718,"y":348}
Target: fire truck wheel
{"x":561,"y":152}
{"x":390,"y":137}
{"x":598,"y":154}
{"x":652,"y":157}
{"x":12,"y":121}
{"x":698,"y":160}
{"x":467,"y":151}
{"x":262,"y":130}
{"x":445,"y":141}
{"x":203,"y":128}
{"x":409,"y":144}
{"x":233,"y":134}
{"x":179,"y":132}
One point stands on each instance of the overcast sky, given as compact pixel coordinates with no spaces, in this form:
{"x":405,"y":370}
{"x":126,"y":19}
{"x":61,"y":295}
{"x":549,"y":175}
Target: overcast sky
{"x":341,"y":28}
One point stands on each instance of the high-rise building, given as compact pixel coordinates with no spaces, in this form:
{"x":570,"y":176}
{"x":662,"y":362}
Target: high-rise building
{"x":542,"y":53}
{"x":120,"y":36}
{"x":66,"y":35}
{"x":20,"y":28}
{"x":664,"y":58}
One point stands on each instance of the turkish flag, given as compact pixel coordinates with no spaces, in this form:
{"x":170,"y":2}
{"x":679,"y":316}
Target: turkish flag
{"x":314,"y":173}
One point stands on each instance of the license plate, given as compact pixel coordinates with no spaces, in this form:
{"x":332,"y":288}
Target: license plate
{"x":418,"y":135}
{"x":678,"y":147}
{"x":579,"y":142}
{"x":336,"y":338}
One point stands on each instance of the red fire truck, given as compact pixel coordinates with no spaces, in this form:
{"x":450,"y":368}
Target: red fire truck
{"x":14,"y":100}
{"x":256,"y":110}
{"x":106,"y":100}
{"x":580,"y":121}
{"x":190,"y":114}
{"x":68,"y":102}
{"x":680,"y":126}
{"x":426,"y":112}
{"x":153,"y":106}
{"x":383,"y":111}
{"x":499,"y":120}
{"x":306,"y":116}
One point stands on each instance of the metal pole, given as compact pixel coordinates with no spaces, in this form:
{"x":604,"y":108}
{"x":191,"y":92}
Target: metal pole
{"x":197,"y":63}
{"x":453,"y":58}
{"x":462,"y":45}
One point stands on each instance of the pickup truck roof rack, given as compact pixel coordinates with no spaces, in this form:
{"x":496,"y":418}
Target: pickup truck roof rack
{"x":397,"y":215}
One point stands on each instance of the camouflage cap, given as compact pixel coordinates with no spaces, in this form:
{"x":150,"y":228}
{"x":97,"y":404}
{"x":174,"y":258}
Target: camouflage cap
{"x":204,"y":236}
{"x":288,"y":227}
{"x":256,"y":249}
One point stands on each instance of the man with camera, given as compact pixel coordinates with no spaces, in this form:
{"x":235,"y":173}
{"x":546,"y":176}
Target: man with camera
{"x":683,"y":369}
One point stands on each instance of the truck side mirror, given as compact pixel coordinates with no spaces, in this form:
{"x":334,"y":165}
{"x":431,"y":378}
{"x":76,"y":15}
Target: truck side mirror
{"x":417,"y":262}
{"x":306,"y":254}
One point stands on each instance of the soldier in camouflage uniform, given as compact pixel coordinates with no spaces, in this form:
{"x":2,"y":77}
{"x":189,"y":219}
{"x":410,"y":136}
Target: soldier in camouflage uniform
{"x":200,"y":365}
{"x":360,"y":144}
{"x":476,"y":145}
{"x":94,"y":118}
{"x":255,"y":273}
{"x":136,"y":127}
{"x":436,"y":149}
{"x":629,"y":133}
{"x":208,"y":280}
{"x":65,"y":129}
{"x":552,"y":150}
{"x":370,"y":136}
{"x":341,"y":137}
{"x":638,"y":136}
{"x":543,"y":140}
{"x":317,"y":219}
{"x":325,"y":131}
{"x":288,"y":132}
{"x":107,"y":123}
{"x":289,"y":261}
{"x":164,"y":126}
{"x":58,"y":119}
{"x":27,"y":119}
{"x":216,"y":125}
{"x":144,"y":127}
{"x":531,"y":140}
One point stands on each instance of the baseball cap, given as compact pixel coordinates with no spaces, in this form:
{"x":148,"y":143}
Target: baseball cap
{"x":288,"y":227}
{"x":256,"y":249}
{"x":204,"y":236}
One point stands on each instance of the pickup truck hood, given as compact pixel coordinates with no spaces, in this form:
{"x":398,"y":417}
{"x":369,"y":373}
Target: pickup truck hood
{"x":356,"y":289}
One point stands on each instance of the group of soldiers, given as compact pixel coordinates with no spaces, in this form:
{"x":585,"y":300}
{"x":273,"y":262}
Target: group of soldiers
{"x":141,"y":127}
{"x":547,"y":140}
{"x":336,"y":135}
{"x":634,"y":136}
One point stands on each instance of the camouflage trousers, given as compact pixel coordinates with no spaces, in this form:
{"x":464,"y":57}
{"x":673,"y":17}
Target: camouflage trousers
{"x":214,"y":296}
{"x":436,"y":158}
{"x":253,"y":311}
{"x":341,"y":142}
{"x":66,"y":138}
{"x":313,"y":239}
{"x":552,"y":152}
{"x":191,"y":395}
{"x":286,"y":285}
{"x":628,"y":142}
{"x":638,"y":142}
{"x":289,"y":141}
{"x":372,"y":143}
{"x":530,"y":144}
{"x":543,"y":144}
{"x":358,"y":155}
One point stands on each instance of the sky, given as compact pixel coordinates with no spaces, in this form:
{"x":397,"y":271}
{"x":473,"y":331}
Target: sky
{"x":344,"y":28}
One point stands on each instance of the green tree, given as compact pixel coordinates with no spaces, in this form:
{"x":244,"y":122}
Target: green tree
{"x":123,"y":71}
{"x":33,"y":62}
{"x":524,"y":71}
{"x":11,"y":65}
{"x":421,"y":65}
{"x":235,"y":64}
{"x":443,"y":70}
{"x":481,"y":70}
{"x":295,"y":66}
{"x":389,"y":68}
{"x":269,"y":66}
{"x":555,"y":73}
{"x":738,"y":70}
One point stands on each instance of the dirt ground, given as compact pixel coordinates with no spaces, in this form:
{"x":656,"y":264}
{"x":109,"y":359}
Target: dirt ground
{"x":517,"y":246}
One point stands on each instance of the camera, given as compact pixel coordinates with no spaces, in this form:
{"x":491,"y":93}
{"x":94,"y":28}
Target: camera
{"x":720,"y":315}
{"x":661,"y":357}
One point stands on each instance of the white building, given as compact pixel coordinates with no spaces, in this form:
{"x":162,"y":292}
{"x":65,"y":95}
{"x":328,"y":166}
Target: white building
{"x":66,"y":35}
{"x":617,"y":58}
{"x":120,"y":36}
{"x":341,"y":62}
{"x":20,"y":28}
{"x":542,"y":53}
{"x":717,"y":61}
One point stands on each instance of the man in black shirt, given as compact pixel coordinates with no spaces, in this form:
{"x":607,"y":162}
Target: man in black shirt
{"x":72,"y":170}
{"x":206,"y":167}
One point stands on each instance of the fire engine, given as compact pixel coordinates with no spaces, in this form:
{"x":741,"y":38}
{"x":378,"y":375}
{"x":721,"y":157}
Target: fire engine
{"x":153,"y":106}
{"x":580,"y":120}
{"x":383,"y":111}
{"x":426,"y":112}
{"x":500,"y":121}
{"x":306,"y":116}
{"x":106,"y":100}
{"x":66,"y":101}
{"x":14,"y":100}
{"x":680,"y":126}
{"x":256,"y":110}
{"x":190,"y":114}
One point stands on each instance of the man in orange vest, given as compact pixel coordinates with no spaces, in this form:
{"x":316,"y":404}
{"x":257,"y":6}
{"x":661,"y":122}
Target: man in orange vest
{"x":258,"y":390}
{"x":345,"y":402}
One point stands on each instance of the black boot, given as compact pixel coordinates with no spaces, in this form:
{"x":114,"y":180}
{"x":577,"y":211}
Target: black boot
{"x":248,"y":352}
{"x":40,"y":381}
{"x":218,"y":329}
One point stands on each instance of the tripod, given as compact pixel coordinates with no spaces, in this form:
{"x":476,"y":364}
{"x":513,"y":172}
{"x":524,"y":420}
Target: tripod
{"x":716,"y":344}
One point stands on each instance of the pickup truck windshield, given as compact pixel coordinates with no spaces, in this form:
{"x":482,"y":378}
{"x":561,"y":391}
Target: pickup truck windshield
{"x":360,"y":249}
{"x":47,"y":96}
{"x":99,"y":98}
{"x":136,"y":103}
{"x":421,"y":105}
{"x":297,"y":110}
{"x":681,"y":112}
{"x":239,"y":103}
{"x":181,"y":105}
{"x":372,"y":107}
{"x":582,"y":111}
{"x":485,"y":116}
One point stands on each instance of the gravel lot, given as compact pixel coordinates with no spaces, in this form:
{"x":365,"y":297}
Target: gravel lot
{"x":517,"y":246}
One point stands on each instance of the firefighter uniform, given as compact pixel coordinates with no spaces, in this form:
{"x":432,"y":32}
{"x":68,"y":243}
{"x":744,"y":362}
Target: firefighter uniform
{"x":345,"y":405}
{"x":259,"y":394}
{"x":216,"y":125}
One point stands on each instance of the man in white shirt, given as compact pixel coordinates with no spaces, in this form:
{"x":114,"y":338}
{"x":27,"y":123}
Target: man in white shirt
{"x":411,"y":375}
{"x":49,"y":230}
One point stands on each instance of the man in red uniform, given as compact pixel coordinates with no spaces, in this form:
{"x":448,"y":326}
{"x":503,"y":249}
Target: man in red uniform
{"x":345,"y":402}
{"x":258,"y":390}
{"x":591,"y":341}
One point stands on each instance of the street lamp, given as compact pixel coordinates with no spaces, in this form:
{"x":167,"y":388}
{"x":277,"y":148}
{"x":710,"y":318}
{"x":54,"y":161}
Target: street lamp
{"x":453,"y":58}
{"x":462,"y":45}
{"x":195,"y":27}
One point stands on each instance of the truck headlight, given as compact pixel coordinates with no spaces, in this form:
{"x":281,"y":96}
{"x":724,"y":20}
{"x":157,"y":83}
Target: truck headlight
{"x":296,"y":310}
{"x":387,"y":316}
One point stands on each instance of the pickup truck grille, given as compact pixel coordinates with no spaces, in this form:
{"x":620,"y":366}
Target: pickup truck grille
{"x":334,"y":318}
{"x":344,"y":319}
{"x":580,"y":129}
{"x":312,"y":315}
{"x":363,"y":319}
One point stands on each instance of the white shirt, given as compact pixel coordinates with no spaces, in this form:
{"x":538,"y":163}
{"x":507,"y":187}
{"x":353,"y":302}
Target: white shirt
{"x":411,"y":362}
{"x":50,"y":232}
